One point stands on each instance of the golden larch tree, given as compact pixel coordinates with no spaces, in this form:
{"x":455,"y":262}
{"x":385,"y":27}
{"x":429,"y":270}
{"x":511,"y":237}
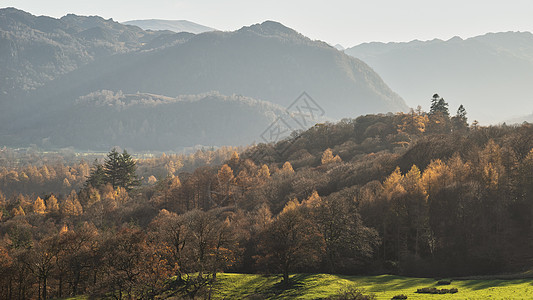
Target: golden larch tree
{"x":38,"y":206}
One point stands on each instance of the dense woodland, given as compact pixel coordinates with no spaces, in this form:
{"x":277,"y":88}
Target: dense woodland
{"x":413,"y":193}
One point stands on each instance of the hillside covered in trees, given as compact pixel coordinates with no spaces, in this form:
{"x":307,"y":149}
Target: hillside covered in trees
{"x":50,"y":64}
{"x":418,"y":193}
{"x":148,"y":122}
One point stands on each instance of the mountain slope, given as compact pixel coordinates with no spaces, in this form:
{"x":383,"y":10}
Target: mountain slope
{"x":172,"y":25}
{"x":490,"y":74}
{"x":266,"y":61}
{"x":35,"y":50}
{"x":144,"y":122}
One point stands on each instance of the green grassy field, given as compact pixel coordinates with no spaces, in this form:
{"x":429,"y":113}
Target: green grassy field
{"x":316,"y":286}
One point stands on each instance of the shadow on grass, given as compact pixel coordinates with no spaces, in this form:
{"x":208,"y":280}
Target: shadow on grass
{"x":485,"y":284}
{"x":243,"y":286}
{"x":297,"y":286}
{"x":384,"y":283}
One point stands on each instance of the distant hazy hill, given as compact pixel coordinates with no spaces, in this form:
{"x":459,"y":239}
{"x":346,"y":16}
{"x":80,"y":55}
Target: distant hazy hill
{"x":35,"y":50}
{"x":266,"y":61}
{"x":491,"y":74}
{"x":103,"y":119}
{"x":339,"y":47}
{"x":172,"y":25}
{"x":519,"y":120}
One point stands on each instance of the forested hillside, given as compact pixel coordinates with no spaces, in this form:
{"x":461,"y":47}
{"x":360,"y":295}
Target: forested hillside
{"x":148,"y":122}
{"x":51,"y":63}
{"x":35,"y":50}
{"x":409,"y":193}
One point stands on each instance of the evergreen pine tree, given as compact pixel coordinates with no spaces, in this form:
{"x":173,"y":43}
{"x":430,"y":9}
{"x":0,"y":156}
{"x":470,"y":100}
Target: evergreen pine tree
{"x":439,"y":106}
{"x":459,"y":121}
{"x":127,"y":167}
{"x":97,"y":176}
{"x":112,"y":168}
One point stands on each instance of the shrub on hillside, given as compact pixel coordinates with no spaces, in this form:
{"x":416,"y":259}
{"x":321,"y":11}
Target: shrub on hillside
{"x":432,"y":290}
{"x":351,"y":293}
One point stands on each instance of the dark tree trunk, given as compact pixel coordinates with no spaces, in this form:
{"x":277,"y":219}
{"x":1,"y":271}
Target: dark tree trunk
{"x":60,"y":285}
{"x":44,"y":289}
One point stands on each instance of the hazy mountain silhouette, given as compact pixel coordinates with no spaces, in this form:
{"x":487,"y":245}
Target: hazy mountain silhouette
{"x":35,"y":50}
{"x":490,"y":74}
{"x":142,"y":121}
{"x":265,"y":61}
{"x":172,"y":25}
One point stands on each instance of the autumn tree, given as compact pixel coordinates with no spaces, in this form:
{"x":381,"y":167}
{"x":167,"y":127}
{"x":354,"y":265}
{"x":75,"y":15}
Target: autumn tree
{"x":263,"y":173}
{"x":287,"y":168}
{"x":348,"y":243}
{"x":328,"y":157}
{"x":51,"y":204}
{"x":459,"y":121}
{"x":71,"y":206}
{"x":125,"y":258}
{"x":38,"y":206}
{"x":289,"y":241}
{"x":172,"y":230}
{"x":413,"y":123}
{"x":226,"y":180}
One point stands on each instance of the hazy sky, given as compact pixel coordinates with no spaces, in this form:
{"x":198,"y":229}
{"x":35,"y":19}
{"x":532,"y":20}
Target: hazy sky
{"x":334,"y":21}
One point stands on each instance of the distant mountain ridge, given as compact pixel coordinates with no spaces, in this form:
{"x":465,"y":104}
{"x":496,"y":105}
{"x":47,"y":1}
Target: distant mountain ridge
{"x":172,"y":25}
{"x":35,"y":50}
{"x":145,"y":122}
{"x":490,"y":74}
{"x":266,"y":61}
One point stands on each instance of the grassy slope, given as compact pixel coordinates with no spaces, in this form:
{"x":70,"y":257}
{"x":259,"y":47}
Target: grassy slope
{"x":315,"y":286}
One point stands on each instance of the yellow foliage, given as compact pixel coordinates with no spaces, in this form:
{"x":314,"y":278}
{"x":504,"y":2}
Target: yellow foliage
{"x":71,"y":207}
{"x":287,"y":168}
{"x":175,"y":182}
{"x":108,"y":192}
{"x":393,"y":184}
{"x":18,"y":211}
{"x":413,"y":122}
{"x":290,"y":206}
{"x":234,"y":158}
{"x":66,"y":183}
{"x":64,"y":229}
{"x":491,"y":164}
{"x":94,"y":197}
{"x":121,"y":195}
{"x":264,"y":172}
{"x":152,"y":180}
{"x":38,"y":206}
{"x":225,"y":175}
{"x":52,"y":204}
{"x":327,"y":157}
{"x":460,"y":170}
{"x":313,"y":201}
{"x":435,"y":176}
{"x":412,"y":181}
